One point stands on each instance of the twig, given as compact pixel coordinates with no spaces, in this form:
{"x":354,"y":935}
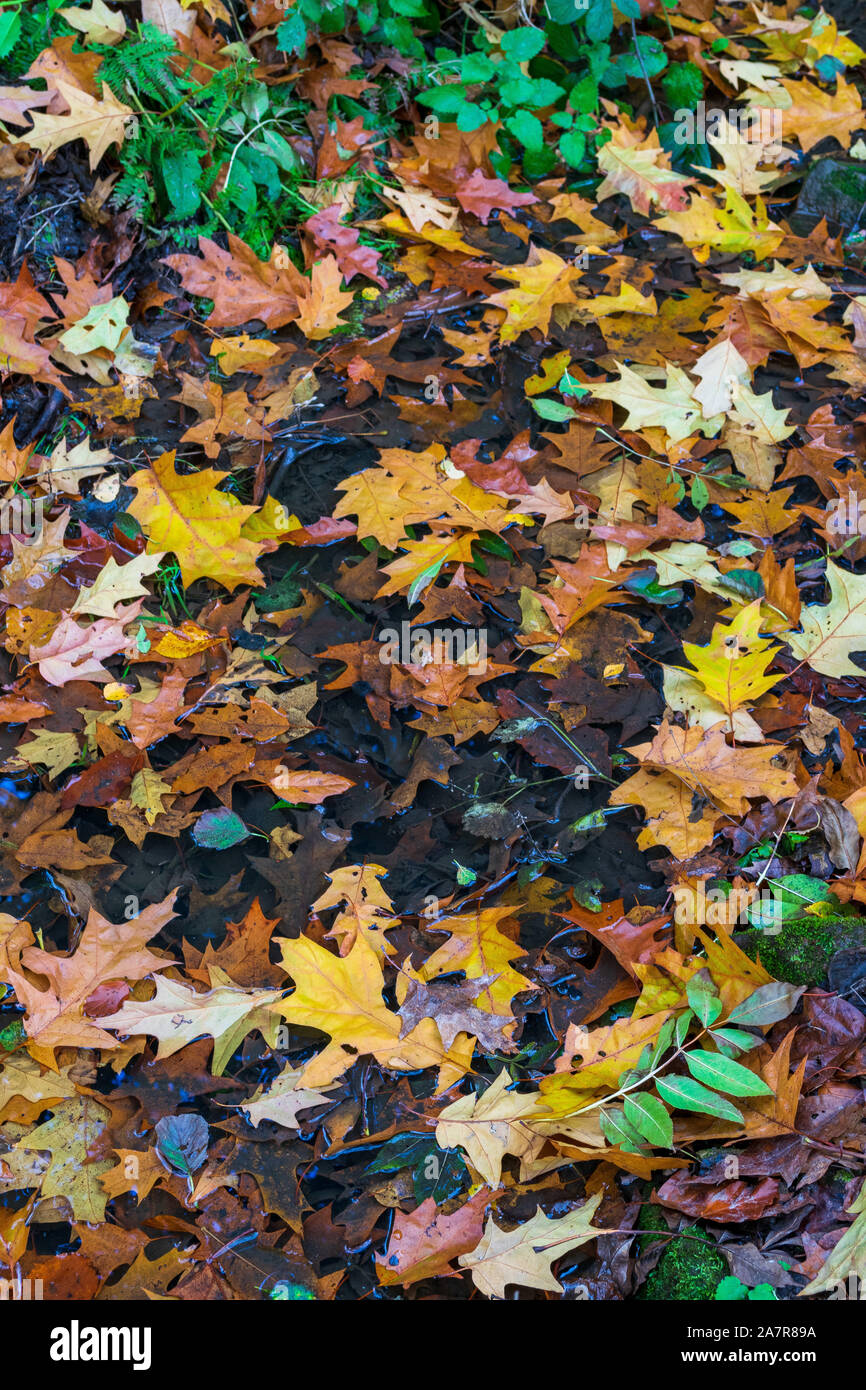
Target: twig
{"x":639,"y":56}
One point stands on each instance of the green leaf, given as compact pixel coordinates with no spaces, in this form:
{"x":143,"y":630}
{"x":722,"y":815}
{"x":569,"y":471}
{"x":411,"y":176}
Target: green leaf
{"x":420,"y":584}
{"x":181,"y":174}
{"x":730,"y":1289}
{"x":792,"y":893}
{"x":700,"y":494}
{"x":572,"y":147}
{"x":736,"y":1037}
{"x":545,"y":92}
{"x":101,"y":327}
{"x":583,"y":96}
{"x":642,"y":1065}
{"x":471,"y":117}
{"x":550,"y":409}
{"x":617,"y":1130}
{"x":401,"y":34}
{"x":517,"y":91}
{"x":569,"y":386}
{"x":685,"y":1094}
{"x":598,"y":24}
{"x":522,"y":44}
{"x":562,"y":39}
{"x":241,"y":188}
{"x":537,"y":163}
{"x":219,"y":829}
{"x":747,"y":584}
{"x":181,"y":1142}
{"x":643,"y":582}
{"x":476,"y":67}
{"x":292,"y":35}
{"x":769,"y":1004}
{"x":683,"y":1024}
{"x":261,"y":169}
{"x":715,"y":1070}
{"x":10,"y":31}
{"x":704,"y":998}
{"x":279,"y":149}
{"x":650,"y":1117}
{"x":527,"y":129}
{"x":663,"y":1041}
{"x":647,"y":58}
{"x":683,"y":85}
{"x":445,"y":101}
{"x":563,"y":11}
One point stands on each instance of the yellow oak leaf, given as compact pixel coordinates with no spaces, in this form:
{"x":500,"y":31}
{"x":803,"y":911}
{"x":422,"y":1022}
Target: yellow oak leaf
{"x":72,"y":1176}
{"x":116,"y":584}
{"x":684,"y":692}
{"x":524,"y":1256}
{"x":319,"y":310}
{"x":543,"y":281}
{"x":147,"y":791}
{"x":178,"y":1014}
{"x":670,"y":811}
{"x":815,"y":112}
{"x":283,"y":1100}
{"x":719,"y":369}
{"x":342,"y":996}
{"x":406,"y":488}
{"x":188,"y":515}
{"x":99,"y":24}
{"x":642,"y":172}
{"x":423,"y":561}
{"x":832,"y":631}
{"x":477,"y":947}
{"x":704,"y":761}
{"x":741,"y":154}
{"x":366,"y":908}
{"x":55,"y":1016}
{"x":732,"y":667}
{"x":706,"y":227}
{"x":489,"y":1126}
{"x":98,"y":123}
{"x":421,"y":208}
{"x":672,"y":406}
{"x":605,"y":1053}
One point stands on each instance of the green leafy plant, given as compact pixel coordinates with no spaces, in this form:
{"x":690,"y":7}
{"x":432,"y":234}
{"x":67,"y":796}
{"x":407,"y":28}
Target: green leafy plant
{"x":204,"y":154}
{"x":526,"y":76}
{"x":25,"y":30}
{"x":731,"y":1289}
{"x":394,"y":22}
{"x":638,"y":1112}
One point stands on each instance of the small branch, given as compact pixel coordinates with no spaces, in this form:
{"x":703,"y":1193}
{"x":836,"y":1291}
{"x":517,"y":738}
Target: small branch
{"x":639,"y":57}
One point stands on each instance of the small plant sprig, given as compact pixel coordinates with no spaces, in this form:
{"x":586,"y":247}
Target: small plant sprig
{"x":650,"y":1090}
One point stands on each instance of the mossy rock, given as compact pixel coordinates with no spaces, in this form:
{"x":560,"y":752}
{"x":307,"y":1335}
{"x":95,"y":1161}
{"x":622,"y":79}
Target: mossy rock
{"x":835,"y":189}
{"x":688,"y":1271}
{"x":802,"y":951}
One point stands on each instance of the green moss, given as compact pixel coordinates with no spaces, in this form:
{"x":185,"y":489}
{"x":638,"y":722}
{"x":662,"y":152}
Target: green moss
{"x":687,"y":1271}
{"x":848,"y":181}
{"x":651,"y":1219}
{"x":799,"y":954}
{"x":803,"y":949}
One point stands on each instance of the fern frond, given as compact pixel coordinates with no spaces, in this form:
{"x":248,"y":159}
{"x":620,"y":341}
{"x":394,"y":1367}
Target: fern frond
{"x":143,"y":65}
